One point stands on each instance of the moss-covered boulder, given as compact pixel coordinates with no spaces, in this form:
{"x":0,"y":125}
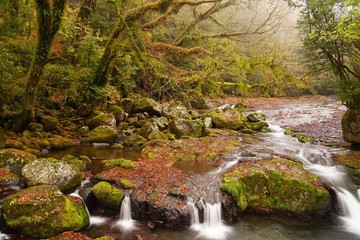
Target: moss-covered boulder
{"x":80,"y":163}
{"x":50,"y":171}
{"x":350,"y":159}
{"x":277,"y":186}
{"x":117,"y":112}
{"x":108,"y":195}
{"x":134,"y":140}
{"x":194,"y":99}
{"x":176,"y":110}
{"x":127,"y":104}
{"x":147,"y":105}
{"x":260,"y":126}
{"x":57,"y":142}
{"x":350,"y":124}
{"x":102,"y":134}
{"x":120,"y":162}
{"x":229,"y":119}
{"x":50,"y":123}
{"x":11,"y":157}
{"x":43,"y":211}
{"x":183,"y":127}
{"x":106,"y":119}
{"x":256,"y":117}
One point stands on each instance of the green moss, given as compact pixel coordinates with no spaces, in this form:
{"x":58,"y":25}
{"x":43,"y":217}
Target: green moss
{"x":120,"y":162}
{"x":134,"y":140}
{"x":125,"y":183}
{"x":301,"y":137}
{"x":108,"y":195}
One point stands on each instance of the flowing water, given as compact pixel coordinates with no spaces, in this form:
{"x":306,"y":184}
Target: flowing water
{"x":125,"y":221}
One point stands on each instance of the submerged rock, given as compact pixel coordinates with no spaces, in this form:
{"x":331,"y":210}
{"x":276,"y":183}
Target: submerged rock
{"x":53,"y":172}
{"x":11,"y":157}
{"x":271,"y":186}
{"x":43,"y":211}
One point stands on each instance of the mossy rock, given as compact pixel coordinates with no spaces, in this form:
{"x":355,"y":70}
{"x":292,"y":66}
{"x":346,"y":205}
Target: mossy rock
{"x":117,"y":112}
{"x":11,"y":157}
{"x":228,"y":119}
{"x":194,"y":99}
{"x":58,"y":142}
{"x":147,"y":105}
{"x":258,"y":126}
{"x":53,"y":172}
{"x":80,"y":164}
{"x":351,"y":160}
{"x":120,"y":162}
{"x":43,"y":211}
{"x":106,"y":119}
{"x":35,"y":127}
{"x":102,"y":134}
{"x":108,"y":195}
{"x":279,"y":185}
{"x":134,"y":140}
{"x":50,"y":123}
{"x":350,"y":124}
{"x":183,"y":127}
{"x":256,"y":117}
{"x":8,"y":178}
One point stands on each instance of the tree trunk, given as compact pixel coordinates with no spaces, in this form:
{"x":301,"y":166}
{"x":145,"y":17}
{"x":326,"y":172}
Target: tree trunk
{"x":49,"y":15}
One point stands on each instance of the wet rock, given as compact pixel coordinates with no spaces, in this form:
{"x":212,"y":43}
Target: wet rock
{"x":259,"y":126}
{"x":271,"y":186}
{"x":50,"y":123}
{"x":228,"y":119}
{"x":108,"y":195}
{"x":182,"y":127}
{"x":53,"y":172}
{"x":350,"y":124}
{"x":147,"y":105}
{"x":106,"y":119}
{"x":11,"y":157}
{"x":102,"y":134}
{"x":43,"y":211}
{"x":256,"y":117}
{"x":134,"y":140}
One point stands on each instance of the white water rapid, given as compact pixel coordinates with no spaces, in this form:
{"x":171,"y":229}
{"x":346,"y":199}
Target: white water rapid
{"x":212,"y":226}
{"x":125,"y":221}
{"x":317,"y":160}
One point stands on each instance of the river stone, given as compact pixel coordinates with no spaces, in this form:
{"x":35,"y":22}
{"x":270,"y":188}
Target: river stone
{"x":148,"y":105}
{"x":108,"y":195}
{"x":102,"y":134}
{"x":134,"y":140}
{"x":118,"y":112}
{"x":43,"y":211}
{"x":350,"y":124}
{"x":176,"y":110}
{"x":57,"y":142}
{"x":12,"y":157}
{"x":277,"y":186}
{"x":183,"y":127}
{"x":256,"y":117}
{"x":53,"y":172}
{"x":229,"y":119}
{"x":106,"y":119}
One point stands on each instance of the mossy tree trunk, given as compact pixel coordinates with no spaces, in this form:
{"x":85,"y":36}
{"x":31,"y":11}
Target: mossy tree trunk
{"x":49,"y":15}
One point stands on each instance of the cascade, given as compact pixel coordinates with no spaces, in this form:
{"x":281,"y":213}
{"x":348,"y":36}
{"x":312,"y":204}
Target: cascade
{"x":3,"y":236}
{"x":212,"y":226}
{"x":125,"y":221}
{"x":317,"y":161}
{"x":94,"y":220}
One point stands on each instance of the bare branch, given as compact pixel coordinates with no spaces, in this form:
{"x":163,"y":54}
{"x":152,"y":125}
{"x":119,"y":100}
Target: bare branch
{"x":165,"y":47}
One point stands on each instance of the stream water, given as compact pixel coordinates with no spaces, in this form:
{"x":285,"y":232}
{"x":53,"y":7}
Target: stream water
{"x":315,"y":158}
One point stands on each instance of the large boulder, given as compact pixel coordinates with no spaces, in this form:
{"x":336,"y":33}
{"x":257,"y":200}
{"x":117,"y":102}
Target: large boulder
{"x":183,"y":127}
{"x":43,"y":211}
{"x":229,"y":119}
{"x":57,"y":142}
{"x":117,"y":111}
{"x":153,"y":125}
{"x":102,"y":134}
{"x":194,"y":99}
{"x":277,"y":186}
{"x":147,"y":105}
{"x":12,"y":157}
{"x":107,"y":119}
{"x":350,"y":124}
{"x":108,"y":195}
{"x":53,"y":172}
{"x":49,"y":123}
{"x":176,"y":110}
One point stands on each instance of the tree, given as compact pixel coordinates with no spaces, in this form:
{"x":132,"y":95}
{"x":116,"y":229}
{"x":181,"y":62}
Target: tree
{"x":49,"y":15}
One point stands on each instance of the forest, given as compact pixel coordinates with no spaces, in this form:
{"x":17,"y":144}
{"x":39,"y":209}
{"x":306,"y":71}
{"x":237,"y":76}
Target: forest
{"x":163,"y":84}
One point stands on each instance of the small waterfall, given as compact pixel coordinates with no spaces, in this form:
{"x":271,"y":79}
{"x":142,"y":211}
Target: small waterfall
{"x":125,"y":221}
{"x":4,"y":236}
{"x":317,"y":160}
{"x":212,"y":226}
{"x":94,"y":220}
